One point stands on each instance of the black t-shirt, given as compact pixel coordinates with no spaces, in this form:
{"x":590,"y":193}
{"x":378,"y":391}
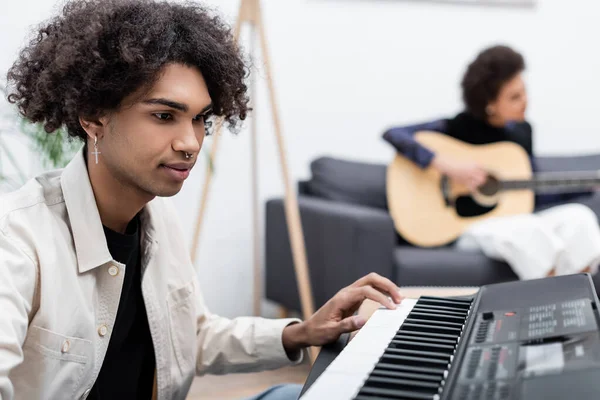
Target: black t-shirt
{"x":469,"y":129}
{"x":128,"y":368}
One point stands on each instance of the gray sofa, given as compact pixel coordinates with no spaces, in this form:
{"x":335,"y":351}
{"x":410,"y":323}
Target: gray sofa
{"x":348,"y":233}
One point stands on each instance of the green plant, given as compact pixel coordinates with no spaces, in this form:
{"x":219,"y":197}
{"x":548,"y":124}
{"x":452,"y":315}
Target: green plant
{"x":56,"y":149}
{"x":53,"y":150}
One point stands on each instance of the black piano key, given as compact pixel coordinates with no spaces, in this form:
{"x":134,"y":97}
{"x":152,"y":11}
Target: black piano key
{"x":434,"y":322}
{"x":413,"y":360}
{"x":423,"y":339}
{"x":418,"y":353}
{"x":416,"y":333}
{"x":436,"y":371}
{"x":455,"y":310}
{"x":420,"y":327}
{"x":415,"y":345}
{"x":402,"y":384}
{"x":444,"y":301}
{"x":437,"y":316}
{"x":407,"y":375}
{"x":397,"y":394}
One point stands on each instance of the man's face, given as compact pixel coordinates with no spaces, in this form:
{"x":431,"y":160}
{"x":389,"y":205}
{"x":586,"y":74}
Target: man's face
{"x":144,"y":144}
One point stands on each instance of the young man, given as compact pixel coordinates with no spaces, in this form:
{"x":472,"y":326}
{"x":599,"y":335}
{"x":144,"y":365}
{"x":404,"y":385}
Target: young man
{"x":98,"y":295}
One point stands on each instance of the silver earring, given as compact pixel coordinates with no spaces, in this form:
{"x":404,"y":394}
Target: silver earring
{"x":188,"y":155}
{"x":96,"y":152}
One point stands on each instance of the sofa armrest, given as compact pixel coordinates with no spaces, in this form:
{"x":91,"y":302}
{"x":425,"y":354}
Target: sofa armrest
{"x":343,"y":243}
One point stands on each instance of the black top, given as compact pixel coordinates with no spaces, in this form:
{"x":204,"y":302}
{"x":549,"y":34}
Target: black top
{"x":128,"y":368}
{"x":473,"y":130}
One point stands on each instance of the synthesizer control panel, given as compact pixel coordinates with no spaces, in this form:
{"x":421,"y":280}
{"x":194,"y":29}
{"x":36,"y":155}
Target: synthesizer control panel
{"x":511,"y":351}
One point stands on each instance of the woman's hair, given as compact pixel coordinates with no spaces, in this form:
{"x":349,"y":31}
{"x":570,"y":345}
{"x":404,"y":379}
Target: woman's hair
{"x":85,"y":61}
{"x":484,"y":77}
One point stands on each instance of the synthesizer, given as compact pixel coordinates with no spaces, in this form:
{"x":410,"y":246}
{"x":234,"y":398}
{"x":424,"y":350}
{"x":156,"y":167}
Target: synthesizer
{"x":536,"y":339}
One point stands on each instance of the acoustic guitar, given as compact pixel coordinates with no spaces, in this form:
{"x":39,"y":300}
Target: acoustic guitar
{"x":426,"y":206}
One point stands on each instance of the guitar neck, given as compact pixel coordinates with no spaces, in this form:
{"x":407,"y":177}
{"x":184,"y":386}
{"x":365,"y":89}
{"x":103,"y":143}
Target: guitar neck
{"x":555,"y":182}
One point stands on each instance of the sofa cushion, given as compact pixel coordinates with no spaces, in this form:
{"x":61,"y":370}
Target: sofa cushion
{"x":447,"y":266}
{"x":348,"y":181}
{"x":588,"y":162}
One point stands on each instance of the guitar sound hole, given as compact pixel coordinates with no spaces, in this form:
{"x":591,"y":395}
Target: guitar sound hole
{"x":491,"y":186}
{"x":467,"y":207}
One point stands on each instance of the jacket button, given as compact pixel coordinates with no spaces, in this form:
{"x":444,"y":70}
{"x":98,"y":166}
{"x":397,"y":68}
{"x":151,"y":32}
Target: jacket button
{"x":65,"y":346}
{"x":102,"y":330}
{"x":113,"y":271}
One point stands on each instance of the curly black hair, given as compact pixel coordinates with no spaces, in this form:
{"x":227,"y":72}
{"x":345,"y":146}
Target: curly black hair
{"x":485,"y":76}
{"x":86,"y":60}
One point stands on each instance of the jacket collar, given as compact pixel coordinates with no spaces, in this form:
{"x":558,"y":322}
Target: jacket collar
{"x":88,"y":235}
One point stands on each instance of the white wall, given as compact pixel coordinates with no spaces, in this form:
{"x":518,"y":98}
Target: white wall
{"x":344,"y":71}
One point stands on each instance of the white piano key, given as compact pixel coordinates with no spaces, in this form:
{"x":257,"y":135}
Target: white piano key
{"x":334,"y":386}
{"x":357,"y":365}
{"x":372,"y":341}
{"x":344,"y":377}
{"x":391,"y":318}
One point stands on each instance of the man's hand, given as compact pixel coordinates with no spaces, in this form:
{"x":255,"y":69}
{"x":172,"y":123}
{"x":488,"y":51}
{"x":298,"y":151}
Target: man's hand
{"x":466,"y":173}
{"x":336,"y":316}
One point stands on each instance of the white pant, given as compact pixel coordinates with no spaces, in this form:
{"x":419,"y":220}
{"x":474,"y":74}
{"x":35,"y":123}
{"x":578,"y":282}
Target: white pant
{"x":565,"y":238}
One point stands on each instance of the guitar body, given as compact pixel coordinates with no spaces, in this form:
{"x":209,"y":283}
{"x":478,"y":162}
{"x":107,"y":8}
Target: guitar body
{"x":421,"y":200}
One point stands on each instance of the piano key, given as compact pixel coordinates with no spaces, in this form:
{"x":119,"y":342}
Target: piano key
{"x":425,"y":387}
{"x":397,"y":394}
{"x":444,"y":300}
{"x":399,"y":354}
{"x":434,"y":322}
{"x":408,"y":368}
{"x":372,"y":341}
{"x":414,"y":345}
{"x":438,"y":316}
{"x":394,"y":383}
{"x":418,"y":353}
{"x":414,"y":333}
{"x":455,"y":310}
{"x":420,"y":327}
{"x":386,"y":318}
{"x":408,"y":338}
{"x":413,"y":360}
{"x":362,"y":362}
{"x":406,"y":375}
{"x":354,"y":364}
{"x":334,"y":386}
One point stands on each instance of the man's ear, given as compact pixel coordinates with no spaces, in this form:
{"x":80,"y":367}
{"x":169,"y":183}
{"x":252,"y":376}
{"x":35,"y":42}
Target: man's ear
{"x":94,"y":126}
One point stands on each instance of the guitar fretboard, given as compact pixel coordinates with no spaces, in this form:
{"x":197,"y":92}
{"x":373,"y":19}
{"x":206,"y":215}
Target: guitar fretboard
{"x":555,"y":181}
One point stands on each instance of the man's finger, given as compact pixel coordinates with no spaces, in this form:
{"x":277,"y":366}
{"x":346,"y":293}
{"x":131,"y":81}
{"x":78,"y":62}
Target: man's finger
{"x":368,"y":292}
{"x":351,"y":324}
{"x":380,"y":283}
{"x":386,"y":286}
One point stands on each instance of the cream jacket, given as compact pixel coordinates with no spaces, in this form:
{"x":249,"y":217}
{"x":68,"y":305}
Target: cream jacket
{"x":60,"y":291}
